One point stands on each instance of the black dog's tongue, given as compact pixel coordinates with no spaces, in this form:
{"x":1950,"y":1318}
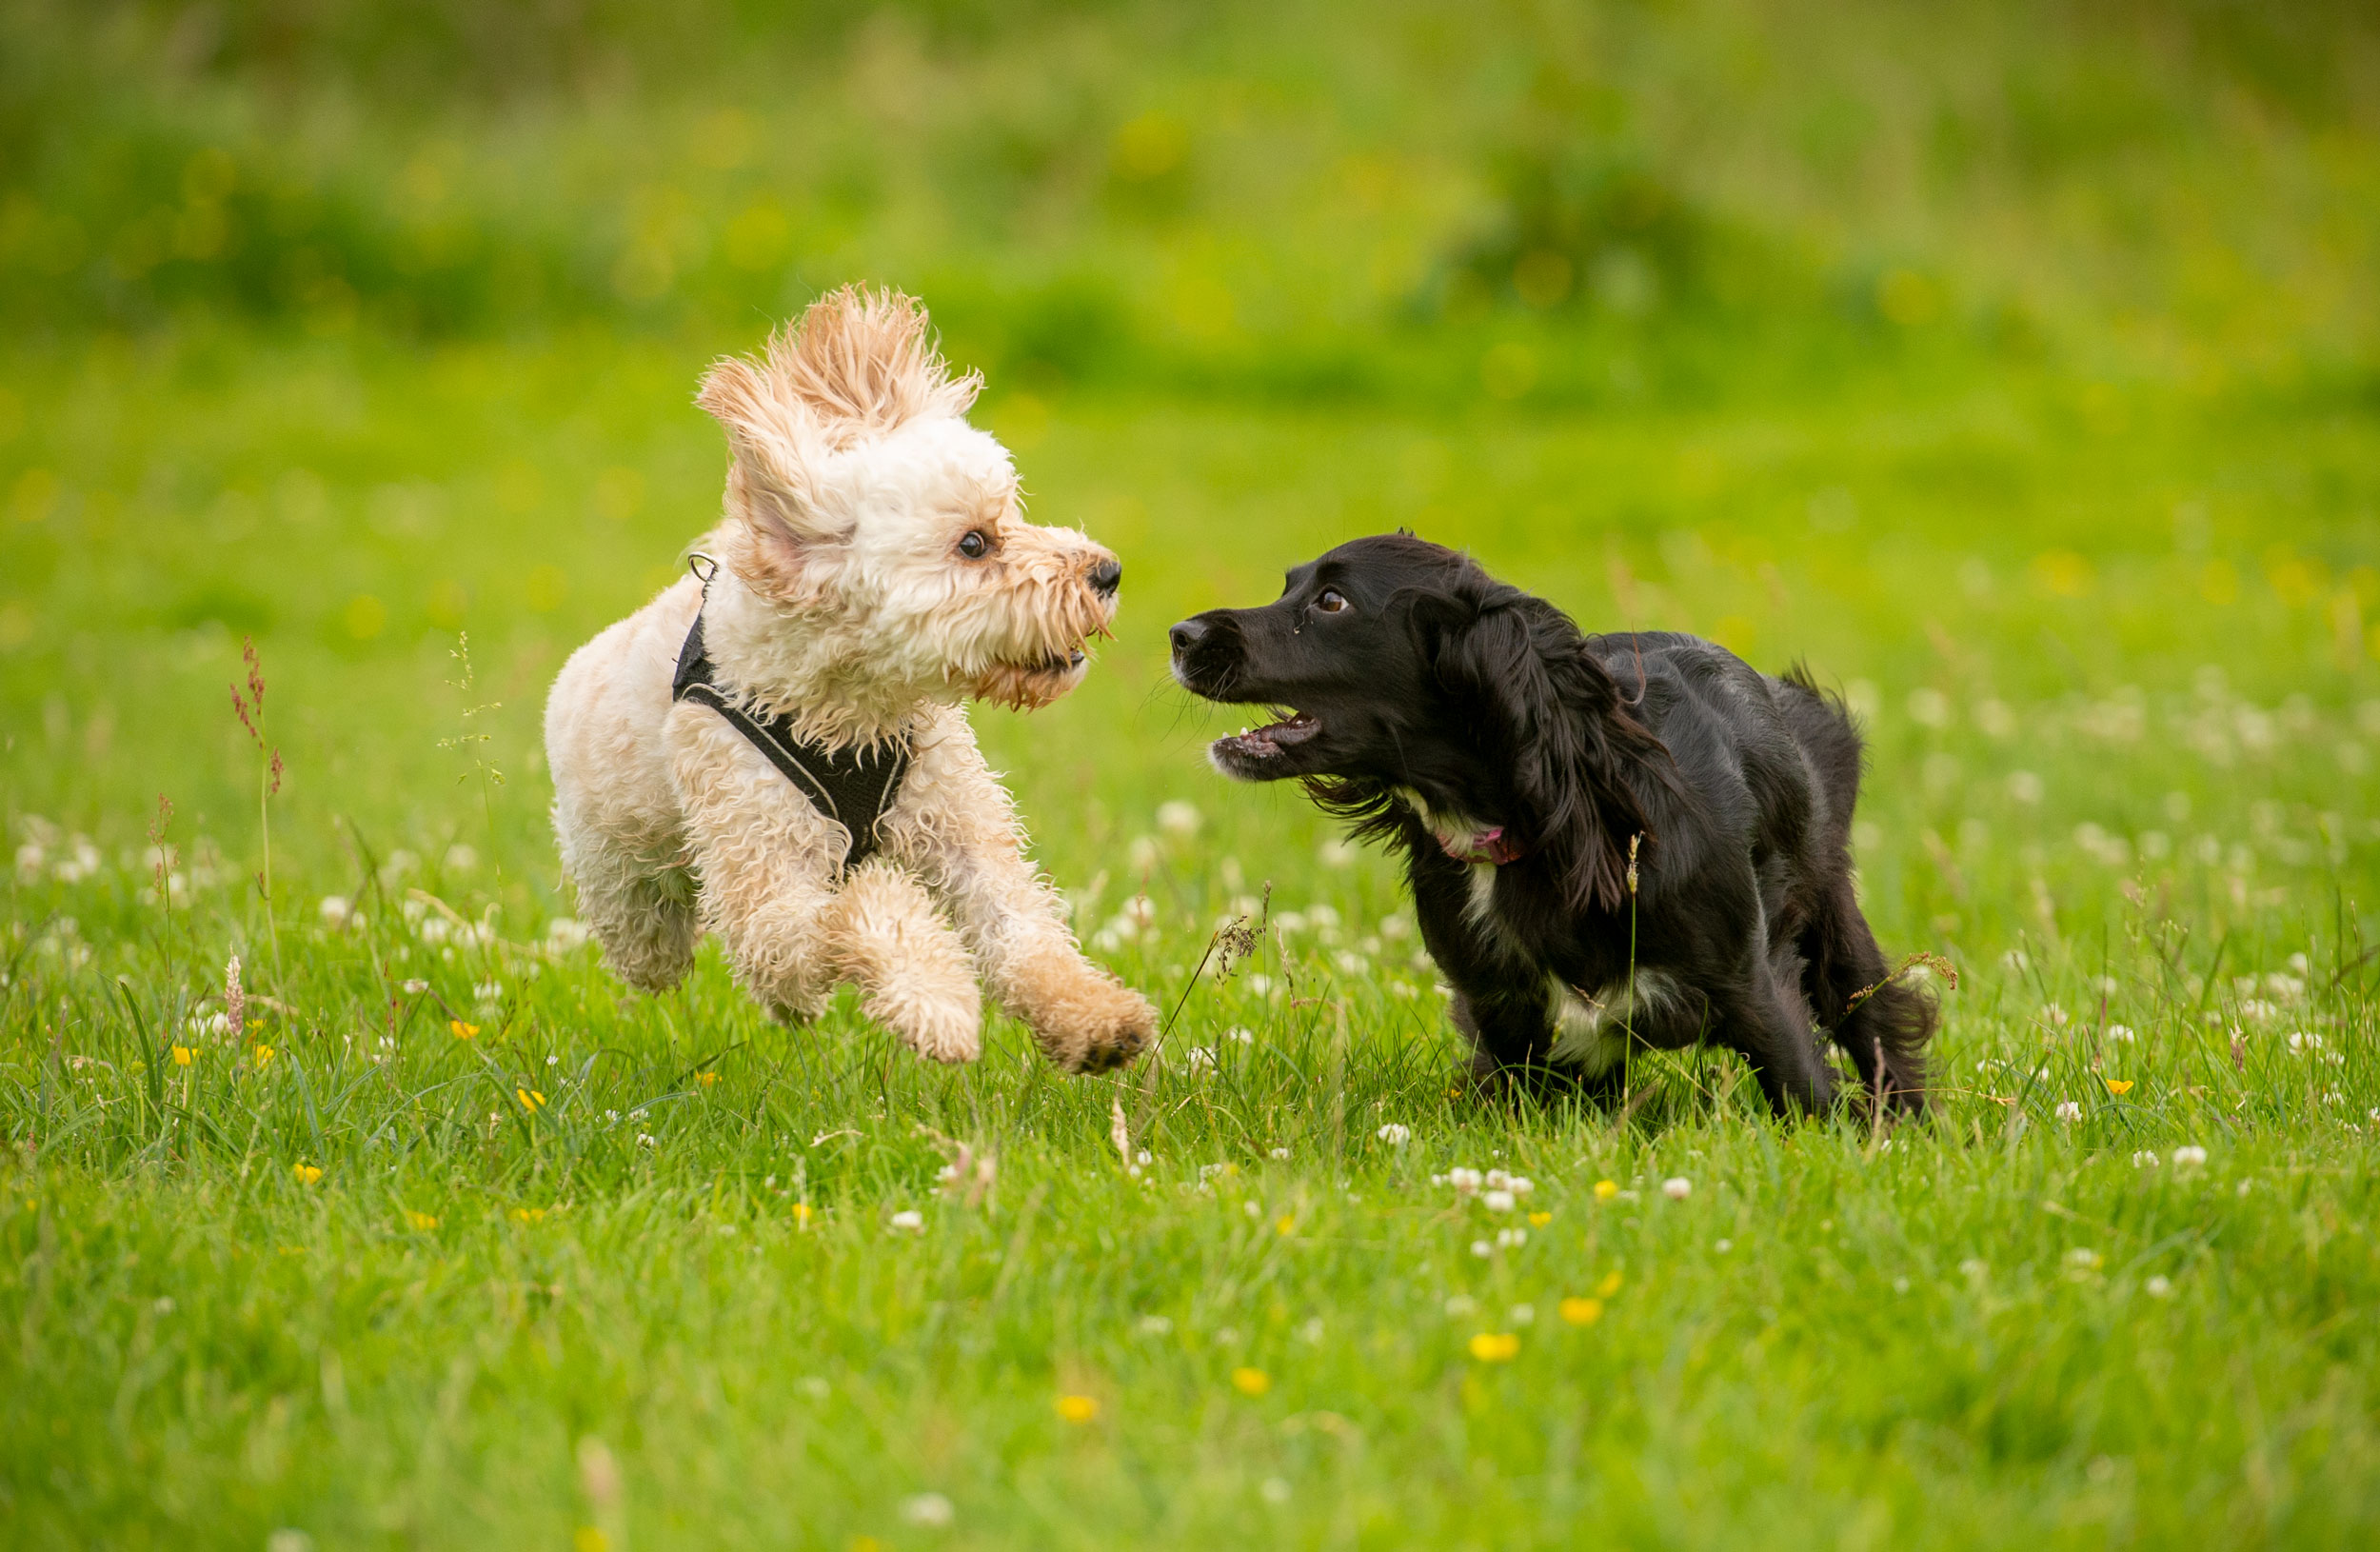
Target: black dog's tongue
{"x":1261,"y":742}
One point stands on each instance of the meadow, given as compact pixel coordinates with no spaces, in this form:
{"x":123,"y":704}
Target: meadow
{"x":2016,"y":373}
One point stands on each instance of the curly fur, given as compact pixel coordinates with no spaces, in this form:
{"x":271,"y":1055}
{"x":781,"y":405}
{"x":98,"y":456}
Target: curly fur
{"x":844,"y":600}
{"x":1613,"y":841}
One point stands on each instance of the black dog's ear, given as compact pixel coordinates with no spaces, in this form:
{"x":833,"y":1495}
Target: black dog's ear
{"x":1520,"y":684}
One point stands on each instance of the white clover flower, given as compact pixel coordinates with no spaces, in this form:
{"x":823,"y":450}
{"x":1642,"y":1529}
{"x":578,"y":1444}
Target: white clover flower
{"x":1724,"y":1246}
{"x":1524,"y":1315}
{"x":336,"y":910}
{"x":2190,"y":1156}
{"x":460,"y":859}
{"x":1464,"y":1180}
{"x":2145,"y":1159}
{"x":1145,"y":1156}
{"x":1497,"y":1201}
{"x":1394,"y":1135}
{"x":1280,"y":1153}
{"x":2068,"y":1111}
{"x":1511,"y":1239}
{"x":927,"y":1509}
{"x":2081,"y":1259}
{"x":1678,"y":1187}
{"x":1239,"y":1036}
{"x":1200,"y":1058}
{"x":2121,"y":1034}
{"x":1156,"y":1325}
{"x":1482,"y":1249}
{"x":1974,"y":1268}
{"x":1251,"y":1210}
{"x":1178,"y":819}
{"x":566,"y":934}
{"x":646,"y":1139}
{"x":2158,"y":1288}
{"x":909,"y":1220}
{"x":1460,"y":1305}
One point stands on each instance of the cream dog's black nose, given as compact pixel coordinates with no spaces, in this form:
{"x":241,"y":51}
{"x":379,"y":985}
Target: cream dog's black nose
{"x":1107,"y":576}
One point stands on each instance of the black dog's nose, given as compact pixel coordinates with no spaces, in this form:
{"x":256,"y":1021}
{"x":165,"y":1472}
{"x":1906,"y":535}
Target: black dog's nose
{"x":1107,"y":576}
{"x":1187,"y":634}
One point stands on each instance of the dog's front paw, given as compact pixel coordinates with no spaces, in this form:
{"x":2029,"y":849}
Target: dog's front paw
{"x":943,"y":1025}
{"x":1087,"y":1021}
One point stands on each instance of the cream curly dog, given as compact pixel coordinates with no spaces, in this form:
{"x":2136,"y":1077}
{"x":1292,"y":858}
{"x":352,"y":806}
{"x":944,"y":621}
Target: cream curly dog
{"x":874,"y":572}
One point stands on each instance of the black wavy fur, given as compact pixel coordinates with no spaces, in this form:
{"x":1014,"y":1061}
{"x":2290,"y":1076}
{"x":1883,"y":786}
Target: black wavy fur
{"x":1435,"y":703}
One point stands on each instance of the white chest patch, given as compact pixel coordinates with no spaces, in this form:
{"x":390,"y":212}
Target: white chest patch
{"x":1591,"y":1032}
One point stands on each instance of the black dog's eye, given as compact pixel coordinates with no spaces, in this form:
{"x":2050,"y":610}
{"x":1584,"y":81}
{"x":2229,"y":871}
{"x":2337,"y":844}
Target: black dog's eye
{"x":975,"y":547}
{"x":1330,"y":601}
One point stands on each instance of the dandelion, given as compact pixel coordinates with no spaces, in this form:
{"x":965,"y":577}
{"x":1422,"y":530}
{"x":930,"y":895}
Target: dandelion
{"x":1496,"y":1347}
{"x":1538,"y":1220}
{"x":802,"y":1213}
{"x":263,"y":1057}
{"x":1396,"y":1136}
{"x":528,"y":1215}
{"x":2190,"y":1156}
{"x":462,"y":1031}
{"x":1078,"y":1409}
{"x":530,"y":1099}
{"x":911,"y":1222}
{"x":184,"y":1056}
{"x":1581,"y":1311}
{"x":1251,"y":1381}
{"x":419,"y":1222}
{"x":1284,"y":1225}
{"x":1678,"y":1187}
{"x":2068,"y":1111}
{"x":1609,"y":1287}
{"x":307,"y":1174}
{"x":2119,"y":1085}
{"x":707,"y":1079}
{"x":1606,"y":1190}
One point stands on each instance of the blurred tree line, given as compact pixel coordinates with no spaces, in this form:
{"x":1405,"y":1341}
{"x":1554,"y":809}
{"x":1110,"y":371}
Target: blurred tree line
{"x":1310,"y":196}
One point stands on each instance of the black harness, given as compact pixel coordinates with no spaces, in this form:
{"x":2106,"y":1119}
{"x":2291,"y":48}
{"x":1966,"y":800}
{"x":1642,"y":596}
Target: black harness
{"x":854,"y":787}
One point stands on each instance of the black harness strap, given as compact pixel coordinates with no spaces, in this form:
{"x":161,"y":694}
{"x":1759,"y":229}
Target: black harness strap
{"x":854,"y":788}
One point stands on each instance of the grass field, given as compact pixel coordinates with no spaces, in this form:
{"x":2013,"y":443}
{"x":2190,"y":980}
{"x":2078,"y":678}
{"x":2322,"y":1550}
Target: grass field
{"x":433,"y":1235}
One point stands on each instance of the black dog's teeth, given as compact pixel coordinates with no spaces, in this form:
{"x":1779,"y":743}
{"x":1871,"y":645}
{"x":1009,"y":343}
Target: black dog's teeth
{"x":1265,"y":742}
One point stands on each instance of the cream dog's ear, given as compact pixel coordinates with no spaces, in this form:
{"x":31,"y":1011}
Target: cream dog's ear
{"x":771,"y":488}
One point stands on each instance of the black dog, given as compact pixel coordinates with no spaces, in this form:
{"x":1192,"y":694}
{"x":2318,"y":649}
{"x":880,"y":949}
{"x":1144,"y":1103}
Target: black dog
{"x":1609,"y":839}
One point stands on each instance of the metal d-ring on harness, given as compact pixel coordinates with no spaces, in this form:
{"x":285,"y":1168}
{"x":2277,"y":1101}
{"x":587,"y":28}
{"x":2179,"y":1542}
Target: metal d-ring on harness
{"x":854,"y":787}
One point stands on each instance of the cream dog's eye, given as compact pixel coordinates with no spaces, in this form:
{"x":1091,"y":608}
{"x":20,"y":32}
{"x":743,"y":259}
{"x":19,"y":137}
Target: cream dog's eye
{"x":1330,"y":601}
{"x":975,"y":547}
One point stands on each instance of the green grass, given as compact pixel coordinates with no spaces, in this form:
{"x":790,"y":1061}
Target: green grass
{"x":2013,"y":370}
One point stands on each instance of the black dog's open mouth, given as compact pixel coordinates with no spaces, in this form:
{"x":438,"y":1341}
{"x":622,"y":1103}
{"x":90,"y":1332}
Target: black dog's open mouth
{"x":1266,"y":743}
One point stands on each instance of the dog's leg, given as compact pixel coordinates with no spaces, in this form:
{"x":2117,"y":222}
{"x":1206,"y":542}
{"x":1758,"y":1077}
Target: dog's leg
{"x":1884,"y":1030}
{"x":957,"y":825}
{"x":884,"y":933}
{"x":1771,"y":1028}
{"x":642,"y":912}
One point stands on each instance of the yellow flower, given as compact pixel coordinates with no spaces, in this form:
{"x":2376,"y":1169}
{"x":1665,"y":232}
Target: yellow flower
{"x":707,"y":1079}
{"x":1538,"y":1220}
{"x":306,"y":1173}
{"x":1606,"y":1190}
{"x":1496,"y":1347}
{"x":528,"y":1215}
{"x":1251,"y":1381}
{"x":1609,"y":1287}
{"x":255,"y":1023}
{"x":2119,"y":1085}
{"x":1284,"y":1224}
{"x":422,"y":1220}
{"x":802,"y":1213}
{"x":184,"y":1056}
{"x":462,"y":1031}
{"x":589,"y":1539}
{"x":530,"y":1099}
{"x":263,"y":1057}
{"x":1582,"y":1311}
{"x":1078,"y":1409}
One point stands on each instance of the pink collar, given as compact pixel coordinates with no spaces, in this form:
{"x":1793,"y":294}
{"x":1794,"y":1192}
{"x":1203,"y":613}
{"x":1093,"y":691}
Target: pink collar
{"x":1489,"y":845}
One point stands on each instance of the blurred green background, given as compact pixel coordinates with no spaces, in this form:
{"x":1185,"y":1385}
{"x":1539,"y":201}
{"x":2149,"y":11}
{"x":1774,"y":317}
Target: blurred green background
{"x":1844,"y":329}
